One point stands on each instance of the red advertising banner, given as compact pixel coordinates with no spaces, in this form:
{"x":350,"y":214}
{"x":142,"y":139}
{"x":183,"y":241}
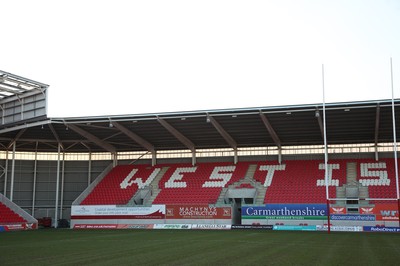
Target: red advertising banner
{"x":197,"y":212}
{"x":382,"y":211}
{"x":337,"y":210}
{"x":17,"y":226}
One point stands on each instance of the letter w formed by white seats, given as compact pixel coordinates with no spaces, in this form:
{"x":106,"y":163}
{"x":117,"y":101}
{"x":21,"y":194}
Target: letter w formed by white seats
{"x":139,"y":180}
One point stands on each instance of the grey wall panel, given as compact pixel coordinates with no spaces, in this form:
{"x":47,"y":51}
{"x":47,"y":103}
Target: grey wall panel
{"x":75,"y":182}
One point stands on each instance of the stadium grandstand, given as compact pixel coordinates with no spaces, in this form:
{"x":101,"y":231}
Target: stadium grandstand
{"x":205,"y":168}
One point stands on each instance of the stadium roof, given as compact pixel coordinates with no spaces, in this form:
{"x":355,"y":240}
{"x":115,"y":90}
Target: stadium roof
{"x":11,"y":84}
{"x":347,"y":123}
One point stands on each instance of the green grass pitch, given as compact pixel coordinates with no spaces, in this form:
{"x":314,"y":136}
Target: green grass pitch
{"x":197,"y":247}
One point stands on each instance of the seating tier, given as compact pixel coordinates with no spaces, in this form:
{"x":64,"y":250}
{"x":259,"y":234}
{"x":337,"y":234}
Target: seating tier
{"x":117,"y":187}
{"x":293,"y":181}
{"x":379,"y":176}
{"x":8,"y":216}
{"x":200,"y":184}
{"x":299,"y":181}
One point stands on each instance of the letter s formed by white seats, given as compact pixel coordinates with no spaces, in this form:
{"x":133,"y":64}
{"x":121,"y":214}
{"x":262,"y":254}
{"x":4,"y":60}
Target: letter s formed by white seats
{"x":176,"y":177}
{"x":222,"y":177}
{"x":379,"y":177}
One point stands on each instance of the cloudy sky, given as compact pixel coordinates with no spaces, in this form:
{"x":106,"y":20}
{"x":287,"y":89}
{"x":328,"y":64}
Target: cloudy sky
{"x":128,"y":57}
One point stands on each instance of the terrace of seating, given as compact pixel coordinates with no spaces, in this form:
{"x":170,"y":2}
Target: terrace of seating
{"x":118,"y":186}
{"x":379,"y":176}
{"x":299,"y":181}
{"x":201,"y":184}
{"x":8,"y":216}
{"x":293,"y":181}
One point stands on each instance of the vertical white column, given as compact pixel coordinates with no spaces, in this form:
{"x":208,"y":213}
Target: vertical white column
{"x":115,"y":159}
{"x":153,"y":158}
{"x":34,"y":184}
{"x":89,"y":169}
{"x":62,"y":186}
{"x":57,"y":188}
{"x":325,"y":151}
{"x":394,"y":134}
{"x":280,"y":155}
{"x":325,"y":141}
{"x":12,"y":173}
{"x":194,"y":157}
{"x":6,"y":175}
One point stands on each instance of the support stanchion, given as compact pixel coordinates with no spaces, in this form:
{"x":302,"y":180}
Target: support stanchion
{"x":328,"y":215}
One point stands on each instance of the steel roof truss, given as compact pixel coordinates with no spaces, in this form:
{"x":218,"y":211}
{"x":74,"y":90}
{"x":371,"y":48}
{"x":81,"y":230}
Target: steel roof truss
{"x":19,"y":134}
{"x":144,"y":143}
{"x":184,"y":140}
{"x":222,"y":132}
{"x":318,"y":115}
{"x":377,"y":121}
{"x":92,"y":138}
{"x":56,"y":136}
{"x":270,"y":129}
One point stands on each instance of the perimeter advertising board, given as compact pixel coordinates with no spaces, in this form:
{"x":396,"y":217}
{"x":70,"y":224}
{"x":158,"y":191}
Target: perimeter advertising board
{"x":197,"y":212}
{"x":17,"y":227}
{"x":285,"y":212}
{"x":87,"y":212}
{"x":381,"y":229}
{"x":382,"y":211}
{"x":113,"y":226}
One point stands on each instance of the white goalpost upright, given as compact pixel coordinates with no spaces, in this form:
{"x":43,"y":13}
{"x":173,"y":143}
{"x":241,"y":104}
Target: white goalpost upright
{"x":325,"y":149}
{"x":395,"y":140}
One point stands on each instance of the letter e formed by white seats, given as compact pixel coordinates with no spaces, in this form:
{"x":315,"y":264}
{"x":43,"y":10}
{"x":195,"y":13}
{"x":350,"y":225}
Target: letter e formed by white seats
{"x":176,"y":178}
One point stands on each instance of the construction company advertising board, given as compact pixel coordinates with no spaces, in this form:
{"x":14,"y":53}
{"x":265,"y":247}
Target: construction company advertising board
{"x":197,"y":212}
{"x":286,"y":212}
{"x":115,"y":212}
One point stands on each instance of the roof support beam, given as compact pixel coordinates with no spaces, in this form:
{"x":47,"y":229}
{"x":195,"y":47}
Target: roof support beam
{"x":184,"y":140}
{"x":56,"y":136}
{"x":320,"y":123}
{"x":142,"y":142}
{"x":92,"y":138}
{"x":222,"y":132}
{"x":34,"y":124}
{"x":19,"y":134}
{"x":270,"y":129}
{"x":228,"y":138}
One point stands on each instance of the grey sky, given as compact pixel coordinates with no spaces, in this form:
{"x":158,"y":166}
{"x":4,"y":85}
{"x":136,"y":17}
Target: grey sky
{"x":127,"y":57}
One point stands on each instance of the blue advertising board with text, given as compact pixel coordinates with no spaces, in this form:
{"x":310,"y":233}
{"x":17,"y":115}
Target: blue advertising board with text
{"x":286,"y":212}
